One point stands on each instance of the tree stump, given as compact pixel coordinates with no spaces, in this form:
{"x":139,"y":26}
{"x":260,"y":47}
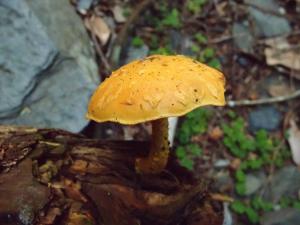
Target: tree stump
{"x":50,"y":176}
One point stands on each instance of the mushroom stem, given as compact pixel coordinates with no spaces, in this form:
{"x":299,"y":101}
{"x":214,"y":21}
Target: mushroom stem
{"x":159,"y":150}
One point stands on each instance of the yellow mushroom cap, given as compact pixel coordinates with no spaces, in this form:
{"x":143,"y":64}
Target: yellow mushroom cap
{"x":156,"y":87}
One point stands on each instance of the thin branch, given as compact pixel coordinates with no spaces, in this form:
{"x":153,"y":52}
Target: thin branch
{"x":99,"y":51}
{"x":135,"y":14}
{"x":262,"y":101}
{"x":122,"y":36}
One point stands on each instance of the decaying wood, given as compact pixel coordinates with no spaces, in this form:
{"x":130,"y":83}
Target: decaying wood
{"x":51,"y":176}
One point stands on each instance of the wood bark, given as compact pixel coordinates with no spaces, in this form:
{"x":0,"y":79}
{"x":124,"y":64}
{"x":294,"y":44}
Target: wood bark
{"x":50,"y":176}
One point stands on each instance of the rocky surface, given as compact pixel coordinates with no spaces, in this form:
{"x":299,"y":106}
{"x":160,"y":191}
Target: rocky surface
{"x":265,"y":117}
{"x":243,"y":38}
{"x":47,"y":68}
{"x":254,"y":182}
{"x":285,"y":183}
{"x":134,"y":53}
{"x":265,"y":19}
{"x":288,"y":216}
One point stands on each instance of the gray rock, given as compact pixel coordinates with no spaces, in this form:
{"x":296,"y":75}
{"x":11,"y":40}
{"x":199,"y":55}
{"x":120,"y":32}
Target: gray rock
{"x":285,"y":183}
{"x":186,"y":46}
{"x":47,"y":68}
{"x":243,"y":38}
{"x":84,"y":5}
{"x":288,"y":216}
{"x":223,"y":181}
{"x":254,"y":182}
{"x":134,"y":53}
{"x":221,"y":163}
{"x":265,"y":117}
{"x":266,"y":24}
{"x":26,"y":50}
{"x":175,"y":40}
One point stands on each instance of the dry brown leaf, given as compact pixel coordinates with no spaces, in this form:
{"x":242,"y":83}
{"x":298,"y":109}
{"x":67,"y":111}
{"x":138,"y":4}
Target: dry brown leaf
{"x":98,"y":26}
{"x":221,"y":8}
{"x":280,"y":52}
{"x":280,"y":89}
{"x":294,"y":141}
{"x":216,"y":133}
{"x":235,"y":163}
{"x":118,"y":14}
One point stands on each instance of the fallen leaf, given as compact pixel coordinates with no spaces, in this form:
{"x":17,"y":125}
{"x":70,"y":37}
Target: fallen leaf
{"x":280,"y":52}
{"x":118,"y":13}
{"x":216,"y":133}
{"x":221,"y":8}
{"x":235,"y":163}
{"x":98,"y":26}
{"x":294,"y":141}
{"x":280,"y":89}
{"x":221,"y":197}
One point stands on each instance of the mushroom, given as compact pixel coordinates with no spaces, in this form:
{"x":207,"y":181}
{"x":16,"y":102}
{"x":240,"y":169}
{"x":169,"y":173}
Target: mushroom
{"x":153,"y":89}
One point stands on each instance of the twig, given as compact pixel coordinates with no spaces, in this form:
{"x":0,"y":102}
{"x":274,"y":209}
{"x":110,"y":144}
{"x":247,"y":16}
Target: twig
{"x":122,"y":36}
{"x":100,"y":53}
{"x":246,"y":102}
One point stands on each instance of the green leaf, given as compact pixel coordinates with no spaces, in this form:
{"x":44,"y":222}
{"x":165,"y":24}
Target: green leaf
{"x":187,"y":163}
{"x":240,"y":176}
{"x":208,"y":53}
{"x":200,"y":38}
{"x":180,"y":152}
{"x":137,"y":41}
{"x":240,"y":188}
{"x":252,"y":215}
{"x":231,"y":114}
{"x":172,"y":19}
{"x":259,"y":204}
{"x":195,"y":6}
{"x":195,"y":149}
{"x":296,"y":204}
{"x":255,"y":163}
{"x":195,"y":48}
{"x":162,"y":51}
{"x":238,"y":207}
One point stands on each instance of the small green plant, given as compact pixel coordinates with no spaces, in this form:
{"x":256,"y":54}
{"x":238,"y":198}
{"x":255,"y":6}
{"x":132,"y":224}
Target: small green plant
{"x":186,"y":155}
{"x":200,"y":38}
{"x":255,"y":206}
{"x":236,"y":140}
{"x":259,"y":204}
{"x":195,"y":123}
{"x":205,"y":54}
{"x":255,"y":151}
{"x":286,"y":202}
{"x":242,"y":208}
{"x":195,"y":6}
{"x":137,"y":41}
{"x":162,"y":50}
{"x":172,"y":19}
{"x":251,"y":209}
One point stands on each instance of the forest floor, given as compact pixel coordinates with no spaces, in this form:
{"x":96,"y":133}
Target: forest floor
{"x":250,"y":147}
